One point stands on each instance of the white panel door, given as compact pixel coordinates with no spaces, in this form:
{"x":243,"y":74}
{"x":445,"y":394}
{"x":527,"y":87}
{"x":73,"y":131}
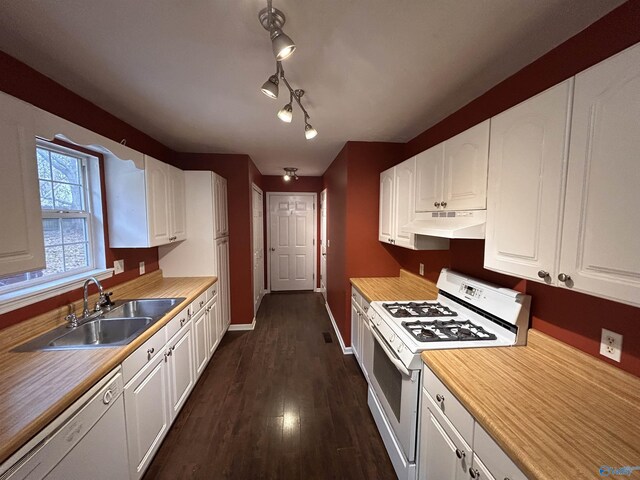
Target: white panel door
{"x":465,"y":173}
{"x":602,"y":214}
{"x":21,"y":237}
{"x":177,"y":204}
{"x":157,"y":186}
{"x":258,"y":248}
{"x":201,"y":339}
{"x":292,"y":241}
{"x":323,"y":243}
{"x":385,"y":226}
{"x":527,"y":168}
{"x":404,"y":201}
{"x":181,"y":369}
{"x":429,"y":168}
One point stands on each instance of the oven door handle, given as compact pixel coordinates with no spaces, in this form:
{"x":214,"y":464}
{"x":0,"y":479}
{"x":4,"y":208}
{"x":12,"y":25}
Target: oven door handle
{"x":397,"y":363}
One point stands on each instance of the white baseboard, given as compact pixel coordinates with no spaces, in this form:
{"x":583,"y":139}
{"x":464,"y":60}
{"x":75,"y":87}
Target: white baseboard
{"x":317,"y":290}
{"x":243,"y":326}
{"x":345,"y":350}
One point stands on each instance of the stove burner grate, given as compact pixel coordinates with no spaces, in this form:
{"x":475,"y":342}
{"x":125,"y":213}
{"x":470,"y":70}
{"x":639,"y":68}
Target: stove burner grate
{"x":446,"y":331}
{"x":418,"y":310}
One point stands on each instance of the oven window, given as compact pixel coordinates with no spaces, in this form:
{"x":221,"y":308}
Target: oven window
{"x":389,"y":379}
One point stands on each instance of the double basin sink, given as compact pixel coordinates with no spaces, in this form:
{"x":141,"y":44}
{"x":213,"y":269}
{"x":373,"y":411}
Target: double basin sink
{"x":118,"y":326}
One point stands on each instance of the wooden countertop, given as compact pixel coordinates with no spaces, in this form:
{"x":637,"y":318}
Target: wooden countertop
{"x":36,"y":387}
{"x":556,"y":411}
{"x":408,"y":286}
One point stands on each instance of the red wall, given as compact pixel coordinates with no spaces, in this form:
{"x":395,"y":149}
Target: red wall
{"x":23,"y":82}
{"x":571,"y":317}
{"x":236,"y":169}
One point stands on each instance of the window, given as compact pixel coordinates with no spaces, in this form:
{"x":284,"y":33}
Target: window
{"x":67,"y":217}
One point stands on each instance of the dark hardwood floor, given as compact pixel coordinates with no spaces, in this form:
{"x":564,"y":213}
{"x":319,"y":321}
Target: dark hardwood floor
{"x":277,"y":402}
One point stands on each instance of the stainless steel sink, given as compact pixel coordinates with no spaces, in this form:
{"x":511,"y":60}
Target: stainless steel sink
{"x":118,"y":326}
{"x":147,"y":307}
{"x":112,"y":332}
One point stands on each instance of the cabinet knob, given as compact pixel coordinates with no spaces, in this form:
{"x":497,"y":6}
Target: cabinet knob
{"x":460,"y":454}
{"x":150,"y":352}
{"x":436,"y":204}
{"x":443,"y":204}
{"x":543,"y":273}
{"x":440,"y":398}
{"x":474,"y":472}
{"x":563,"y":277}
{"x":183,"y":321}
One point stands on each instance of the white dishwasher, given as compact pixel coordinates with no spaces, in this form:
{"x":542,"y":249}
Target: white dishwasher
{"x":88,"y":441}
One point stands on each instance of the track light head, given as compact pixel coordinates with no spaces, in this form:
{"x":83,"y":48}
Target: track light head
{"x":282,"y":44}
{"x":286,"y":113}
{"x":270,"y":87}
{"x":286,"y":177}
{"x":309,"y":131}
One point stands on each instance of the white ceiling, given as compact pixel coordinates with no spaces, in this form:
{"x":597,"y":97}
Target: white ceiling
{"x":188,"y":72}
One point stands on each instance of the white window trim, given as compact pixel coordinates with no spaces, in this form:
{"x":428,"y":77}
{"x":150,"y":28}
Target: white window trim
{"x":29,"y":295}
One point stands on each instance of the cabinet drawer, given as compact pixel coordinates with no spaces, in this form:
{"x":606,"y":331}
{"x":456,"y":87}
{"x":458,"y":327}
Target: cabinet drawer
{"x":449,"y":405}
{"x":198,"y":303}
{"x":147,"y":351}
{"x":356,"y":297}
{"x":493,"y":457}
{"x":179,"y":321}
{"x":212,"y":291}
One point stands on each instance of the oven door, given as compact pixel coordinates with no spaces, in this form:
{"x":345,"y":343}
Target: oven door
{"x":397,"y":390}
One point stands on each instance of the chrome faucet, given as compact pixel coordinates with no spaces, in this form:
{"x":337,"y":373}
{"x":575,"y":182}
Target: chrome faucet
{"x":85,"y":310}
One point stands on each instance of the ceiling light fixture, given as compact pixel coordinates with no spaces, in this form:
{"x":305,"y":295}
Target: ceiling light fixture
{"x":273,"y":20}
{"x":289,"y":173}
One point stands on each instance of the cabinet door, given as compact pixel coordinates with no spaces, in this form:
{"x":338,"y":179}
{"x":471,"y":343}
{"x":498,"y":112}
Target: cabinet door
{"x":429,"y":169}
{"x":438,"y":456}
{"x":602,"y":218}
{"x":355,"y":331}
{"x":385,"y":227}
{"x":147,"y":414}
{"x":465,"y":173}
{"x":226,"y":298}
{"x":220,"y":193}
{"x":157,"y":186}
{"x":177,"y":204}
{"x":181,"y":368}
{"x":201,"y":339}
{"x":404,"y":201}
{"x":212,"y":327}
{"x":527,"y":168}
{"x":21,"y":237}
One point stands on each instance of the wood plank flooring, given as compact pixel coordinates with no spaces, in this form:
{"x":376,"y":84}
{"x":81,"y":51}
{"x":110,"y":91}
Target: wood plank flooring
{"x":277,"y":402}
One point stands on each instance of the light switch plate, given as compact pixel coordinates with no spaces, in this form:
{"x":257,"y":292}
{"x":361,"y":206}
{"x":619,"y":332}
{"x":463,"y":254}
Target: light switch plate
{"x":611,"y":345}
{"x":118,"y":267}
{"x":141,"y":268}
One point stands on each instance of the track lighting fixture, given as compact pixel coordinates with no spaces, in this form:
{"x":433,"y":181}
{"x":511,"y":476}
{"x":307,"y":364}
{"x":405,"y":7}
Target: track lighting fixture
{"x":289,"y":173}
{"x":273,"y":20}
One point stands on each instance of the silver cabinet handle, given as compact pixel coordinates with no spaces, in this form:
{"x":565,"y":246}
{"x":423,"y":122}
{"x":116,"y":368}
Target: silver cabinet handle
{"x":444,"y":204}
{"x":460,"y":454}
{"x":150,"y":352}
{"x":436,"y":204}
{"x":474,"y":472}
{"x":183,"y":321}
{"x":543,"y":273}
{"x":440,"y":398}
{"x":563,"y":277}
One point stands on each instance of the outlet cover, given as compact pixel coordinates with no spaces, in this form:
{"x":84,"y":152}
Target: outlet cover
{"x":422,"y":269}
{"x":611,"y":345}
{"x":141,"y":268}
{"x":118,"y":267}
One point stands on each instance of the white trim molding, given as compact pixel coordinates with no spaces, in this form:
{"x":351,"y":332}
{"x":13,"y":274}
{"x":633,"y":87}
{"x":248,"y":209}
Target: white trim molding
{"x":345,"y":350}
{"x":27,"y":296}
{"x":243,"y":326}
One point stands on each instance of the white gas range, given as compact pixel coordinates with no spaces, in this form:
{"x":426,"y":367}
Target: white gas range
{"x":468,"y":313}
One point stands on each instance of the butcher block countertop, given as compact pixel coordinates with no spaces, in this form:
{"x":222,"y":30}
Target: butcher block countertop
{"x":408,"y":286}
{"x":36,"y":387}
{"x":556,"y":411}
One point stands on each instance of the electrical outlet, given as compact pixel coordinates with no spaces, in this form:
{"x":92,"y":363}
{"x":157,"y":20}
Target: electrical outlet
{"x":118,"y":267}
{"x":422,"y":269}
{"x":611,"y":345}
{"x":141,"y":268}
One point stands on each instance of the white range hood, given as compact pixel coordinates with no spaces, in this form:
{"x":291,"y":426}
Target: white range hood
{"x":460,"y":224}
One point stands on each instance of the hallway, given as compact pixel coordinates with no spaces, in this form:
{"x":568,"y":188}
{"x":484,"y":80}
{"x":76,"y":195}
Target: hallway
{"x":277,"y":402}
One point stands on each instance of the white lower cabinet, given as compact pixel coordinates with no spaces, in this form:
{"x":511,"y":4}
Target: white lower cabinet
{"x":213,"y":334}
{"x":179,"y":355}
{"x":147,"y":413}
{"x":201,"y":353}
{"x":355,"y":331}
{"x":361,"y":336}
{"x":447,"y":454}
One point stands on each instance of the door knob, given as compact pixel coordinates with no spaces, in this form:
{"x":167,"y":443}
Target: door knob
{"x":543,"y":273}
{"x":436,"y":204}
{"x":563,"y":277}
{"x":272,"y":249}
{"x":444,"y":204}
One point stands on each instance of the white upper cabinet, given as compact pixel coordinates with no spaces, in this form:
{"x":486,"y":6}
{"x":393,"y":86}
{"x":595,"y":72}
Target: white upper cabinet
{"x":405,"y":176}
{"x":601,"y":230}
{"x":453,"y":175}
{"x":527,"y":168}
{"x":385,"y":230}
{"x":221,"y":214}
{"x":21,"y":237}
{"x":146,"y":206}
